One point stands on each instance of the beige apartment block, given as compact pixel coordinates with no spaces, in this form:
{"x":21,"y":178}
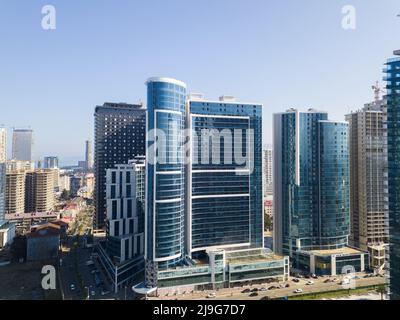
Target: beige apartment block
{"x":369,"y":180}
{"x":39,"y":191}
{"x":15,"y":191}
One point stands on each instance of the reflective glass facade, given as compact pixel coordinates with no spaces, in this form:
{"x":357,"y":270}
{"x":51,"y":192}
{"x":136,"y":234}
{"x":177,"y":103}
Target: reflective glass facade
{"x":393,"y":100}
{"x":165,"y":211}
{"x":120,"y":135}
{"x":225,"y":175}
{"x":311,"y":182}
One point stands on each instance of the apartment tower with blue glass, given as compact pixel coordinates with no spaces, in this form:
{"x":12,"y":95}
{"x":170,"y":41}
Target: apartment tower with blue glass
{"x":225,"y":175}
{"x":393,"y":114}
{"x":165,"y":189}
{"x":312,"y":193}
{"x":204,"y":218}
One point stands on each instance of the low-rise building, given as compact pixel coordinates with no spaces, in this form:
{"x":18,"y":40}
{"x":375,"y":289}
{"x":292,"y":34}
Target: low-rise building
{"x":220,"y":268}
{"x":24,"y":221}
{"x":7,"y":233}
{"x":43,"y":242}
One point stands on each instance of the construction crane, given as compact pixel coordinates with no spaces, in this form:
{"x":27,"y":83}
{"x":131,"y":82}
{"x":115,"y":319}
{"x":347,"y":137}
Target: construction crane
{"x":377,"y":90}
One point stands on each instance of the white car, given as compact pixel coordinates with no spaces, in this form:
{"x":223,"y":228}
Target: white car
{"x":92,"y":293}
{"x":298,"y":291}
{"x":211,"y":295}
{"x":72,"y":287}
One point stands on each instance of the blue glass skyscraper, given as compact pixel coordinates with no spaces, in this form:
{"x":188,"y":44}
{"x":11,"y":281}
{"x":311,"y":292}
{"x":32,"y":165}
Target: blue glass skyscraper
{"x":165,"y":190}
{"x":225,"y":175}
{"x":204,"y":217}
{"x":393,"y":110}
{"x":311,"y":191}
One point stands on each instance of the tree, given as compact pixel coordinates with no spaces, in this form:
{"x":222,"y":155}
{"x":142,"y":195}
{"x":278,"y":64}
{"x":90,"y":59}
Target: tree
{"x":267,"y":222}
{"x":18,"y":248}
{"x":382,"y":291}
{"x":65,"y":195}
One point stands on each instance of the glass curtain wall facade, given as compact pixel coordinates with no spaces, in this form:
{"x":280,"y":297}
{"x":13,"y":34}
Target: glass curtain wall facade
{"x":225,"y":175}
{"x":22,"y":144}
{"x":120,"y":134}
{"x":311,"y":182}
{"x":3,"y":159}
{"x":393,"y":109}
{"x":165,"y":190}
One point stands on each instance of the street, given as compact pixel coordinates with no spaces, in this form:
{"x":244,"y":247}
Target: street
{"x":317,"y":287}
{"x":78,"y":281}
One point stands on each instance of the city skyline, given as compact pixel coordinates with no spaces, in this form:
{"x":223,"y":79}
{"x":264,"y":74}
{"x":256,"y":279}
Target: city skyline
{"x":263,"y":50}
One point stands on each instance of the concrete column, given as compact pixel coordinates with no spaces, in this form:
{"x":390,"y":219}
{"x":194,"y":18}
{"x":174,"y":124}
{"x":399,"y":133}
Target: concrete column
{"x":333,"y":265}
{"x":362,"y":262}
{"x":312,"y":263}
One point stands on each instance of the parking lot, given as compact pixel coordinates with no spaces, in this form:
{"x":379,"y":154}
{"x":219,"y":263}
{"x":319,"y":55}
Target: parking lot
{"x":294,"y":286}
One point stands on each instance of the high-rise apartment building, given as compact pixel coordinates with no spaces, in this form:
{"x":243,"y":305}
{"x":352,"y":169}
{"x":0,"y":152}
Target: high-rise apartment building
{"x":165,"y":199}
{"x":225,"y":175}
{"x":3,"y":145}
{"x":204,"y":214}
{"x":22,"y":144}
{"x":3,"y":159}
{"x":312,"y":193}
{"x":123,"y":251}
{"x":125,"y":236}
{"x":50,"y":162}
{"x":39,"y":191}
{"x":89,"y":155}
{"x":369,"y":179}
{"x":16,"y":165}
{"x":15,"y":191}
{"x":120,"y":135}
{"x":393,"y":118}
{"x":267,"y":172}
{"x":64,"y":183}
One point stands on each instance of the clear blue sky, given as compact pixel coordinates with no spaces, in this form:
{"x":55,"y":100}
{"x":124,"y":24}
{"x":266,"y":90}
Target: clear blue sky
{"x":282,"y":53}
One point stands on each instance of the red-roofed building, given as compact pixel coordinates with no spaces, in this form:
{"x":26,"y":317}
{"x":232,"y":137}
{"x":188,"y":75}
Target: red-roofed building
{"x":43,"y":242}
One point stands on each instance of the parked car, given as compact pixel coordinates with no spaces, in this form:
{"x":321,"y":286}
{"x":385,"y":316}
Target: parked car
{"x":296,"y":280}
{"x":105,"y":292}
{"x":310,"y":283}
{"x":254,"y":290}
{"x":211,"y":295}
{"x":265,"y":298}
{"x":263,"y":289}
{"x":298,"y":291}
{"x":314,"y":276}
{"x":254,"y":294}
{"x":72,"y":287}
{"x":287,"y":285}
{"x":246,"y":291}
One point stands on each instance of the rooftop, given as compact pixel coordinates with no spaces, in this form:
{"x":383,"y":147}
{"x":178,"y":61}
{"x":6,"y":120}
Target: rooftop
{"x":167,"y":80}
{"x":243,"y":257}
{"x":344,"y":251}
